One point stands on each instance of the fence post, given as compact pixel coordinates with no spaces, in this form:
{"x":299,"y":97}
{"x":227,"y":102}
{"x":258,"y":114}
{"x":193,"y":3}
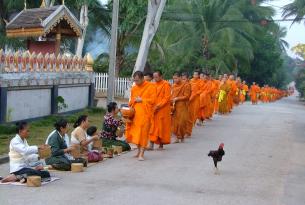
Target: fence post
{"x":3,"y":104}
{"x":54,"y":95}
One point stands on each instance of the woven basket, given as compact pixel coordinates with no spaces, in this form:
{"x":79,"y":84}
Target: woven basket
{"x":33,"y":181}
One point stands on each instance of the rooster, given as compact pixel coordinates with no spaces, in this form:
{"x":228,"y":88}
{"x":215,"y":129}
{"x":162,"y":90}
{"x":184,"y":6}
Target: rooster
{"x":217,"y":156}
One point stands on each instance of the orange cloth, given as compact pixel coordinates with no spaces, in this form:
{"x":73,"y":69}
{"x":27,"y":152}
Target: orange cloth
{"x":160,"y":129}
{"x":205,"y":99}
{"x":137,"y":132}
{"x":236,"y":97}
{"x":230,"y":102}
{"x":194,"y":105}
{"x":216,"y":103}
{"x":244,"y":92}
{"x":254,"y":93}
{"x":189,"y":123}
{"x":180,"y":116}
{"x":223,"y":97}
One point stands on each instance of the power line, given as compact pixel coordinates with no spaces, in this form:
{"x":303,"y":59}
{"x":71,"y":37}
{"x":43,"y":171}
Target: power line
{"x":280,"y":7}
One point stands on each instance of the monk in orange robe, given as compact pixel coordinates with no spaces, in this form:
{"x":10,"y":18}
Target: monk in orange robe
{"x":232,"y":93}
{"x":189,"y":126}
{"x":148,"y":76}
{"x":142,"y":99}
{"x":244,"y":91}
{"x":236,"y":97}
{"x":216,"y":103}
{"x":205,"y":98}
{"x":224,"y":91}
{"x":254,"y":93}
{"x":181,"y":93}
{"x":194,"y":105}
{"x":214,"y":91}
{"x":161,"y":130}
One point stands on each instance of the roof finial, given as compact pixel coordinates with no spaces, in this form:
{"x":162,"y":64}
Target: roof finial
{"x":43,"y":4}
{"x":24,"y":4}
{"x":63,"y":2}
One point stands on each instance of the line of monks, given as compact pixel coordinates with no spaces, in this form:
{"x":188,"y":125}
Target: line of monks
{"x":162,"y":109}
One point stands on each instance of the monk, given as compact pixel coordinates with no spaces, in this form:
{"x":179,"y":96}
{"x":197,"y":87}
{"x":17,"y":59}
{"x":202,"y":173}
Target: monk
{"x":254,"y":93}
{"x":194,"y":105}
{"x":224,"y":91}
{"x":214,"y":91}
{"x":142,"y":99}
{"x":216,"y":104}
{"x":189,"y":126}
{"x":233,"y":90}
{"x":244,"y":91}
{"x":181,"y":93}
{"x":160,"y":130}
{"x":205,"y":98}
{"x":236,"y":97}
{"x":148,"y":76}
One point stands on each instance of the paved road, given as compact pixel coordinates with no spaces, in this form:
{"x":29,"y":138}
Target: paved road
{"x":264,"y":164}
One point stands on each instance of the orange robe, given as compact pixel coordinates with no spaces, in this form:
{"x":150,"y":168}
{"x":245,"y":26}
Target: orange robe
{"x":137,"y":132}
{"x":254,"y":93}
{"x":180,"y":116}
{"x":205,"y":99}
{"x":231,"y":94}
{"x":236,"y":97}
{"x":194,"y":105}
{"x":216,"y":103}
{"x":214,"y":91}
{"x":243,"y":94}
{"x":160,"y":129}
{"x":223,"y":97}
{"x":189,"y":123}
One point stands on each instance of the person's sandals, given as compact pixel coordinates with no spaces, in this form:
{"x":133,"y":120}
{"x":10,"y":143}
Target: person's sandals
{"x":177,"y":141}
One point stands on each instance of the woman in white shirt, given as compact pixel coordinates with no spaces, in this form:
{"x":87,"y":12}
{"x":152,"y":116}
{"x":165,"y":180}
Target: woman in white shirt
{"x":22,"y":155}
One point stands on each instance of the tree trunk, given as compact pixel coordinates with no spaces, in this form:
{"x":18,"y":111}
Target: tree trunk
{"x":154,"y":13}
{"x":119,"y":62}
{"x":84,"y":20}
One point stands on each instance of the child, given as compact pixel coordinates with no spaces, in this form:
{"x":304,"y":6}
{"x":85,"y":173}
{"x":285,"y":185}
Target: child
{"x":95,"y":146}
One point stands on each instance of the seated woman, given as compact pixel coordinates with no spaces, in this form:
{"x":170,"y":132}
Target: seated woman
{"x":110,"y":127}
{"x":60,"y":158}
{"x":22,"y":156}
{"x":79,"y":135}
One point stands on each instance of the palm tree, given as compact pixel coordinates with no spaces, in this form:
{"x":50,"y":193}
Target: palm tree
{"x":295,"y":9}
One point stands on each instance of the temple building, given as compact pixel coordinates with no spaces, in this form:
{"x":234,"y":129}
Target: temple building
{"x":44,"y":28}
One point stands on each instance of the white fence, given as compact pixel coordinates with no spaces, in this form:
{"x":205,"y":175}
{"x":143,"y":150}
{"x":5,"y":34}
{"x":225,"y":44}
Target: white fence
{"x":101,"y":84}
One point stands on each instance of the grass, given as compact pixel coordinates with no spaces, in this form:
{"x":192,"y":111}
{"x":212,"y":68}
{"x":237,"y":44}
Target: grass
{"x":40,"y":129}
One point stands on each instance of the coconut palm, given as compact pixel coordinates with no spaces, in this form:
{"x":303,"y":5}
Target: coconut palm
{"x":295,"y":9}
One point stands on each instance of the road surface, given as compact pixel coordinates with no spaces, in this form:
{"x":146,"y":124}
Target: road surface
{"x":264,"y":164}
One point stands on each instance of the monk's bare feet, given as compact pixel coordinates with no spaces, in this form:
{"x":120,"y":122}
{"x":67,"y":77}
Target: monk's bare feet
{"x":182,"y":140}
{"x":9,"y":178}
{"x":141,"y":158}
{"x":137,"y":155}
{"x":161,"y":147}
{"x":177,"y":141}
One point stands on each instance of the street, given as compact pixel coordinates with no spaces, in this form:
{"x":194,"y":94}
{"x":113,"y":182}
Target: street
{"x":264,"y":164}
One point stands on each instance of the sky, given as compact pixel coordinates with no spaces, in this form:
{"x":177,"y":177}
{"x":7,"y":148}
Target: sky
{"x":295,"y":33}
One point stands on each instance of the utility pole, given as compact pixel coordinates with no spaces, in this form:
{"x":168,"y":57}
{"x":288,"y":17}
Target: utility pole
{"x":113,"y":46}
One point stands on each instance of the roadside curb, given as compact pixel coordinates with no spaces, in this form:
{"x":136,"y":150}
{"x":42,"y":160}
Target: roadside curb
{"x":4,"y":159}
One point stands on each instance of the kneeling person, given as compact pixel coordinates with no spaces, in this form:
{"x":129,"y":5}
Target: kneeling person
{"x":22,"y":155}
{"x":60,"y":158}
